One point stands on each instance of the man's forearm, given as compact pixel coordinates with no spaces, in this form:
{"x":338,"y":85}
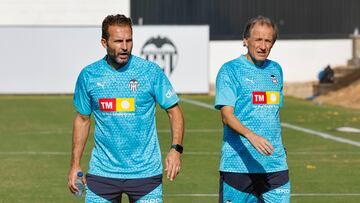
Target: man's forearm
{"x":80,"y":134}
{"x":173,"y":161}
{"x":230,"y":120}
{"x":262,"y":145}
{"x":177,"y":124}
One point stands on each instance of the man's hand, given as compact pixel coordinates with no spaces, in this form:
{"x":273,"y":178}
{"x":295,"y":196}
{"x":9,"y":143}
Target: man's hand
{"x":72,"y":177}
{"x":172,"y":164}
{"x":261,"y":144}
{"x":80,"y":134}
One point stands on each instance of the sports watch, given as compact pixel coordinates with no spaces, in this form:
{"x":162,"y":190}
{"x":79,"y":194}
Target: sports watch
{"x":177,"y":147}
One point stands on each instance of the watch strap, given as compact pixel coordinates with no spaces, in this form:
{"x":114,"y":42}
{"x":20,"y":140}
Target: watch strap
{"x":177,"y":147}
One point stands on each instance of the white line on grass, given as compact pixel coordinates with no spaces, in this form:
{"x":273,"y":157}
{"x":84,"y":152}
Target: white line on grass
{"x":324,"y":153}
{"x":289,"y":153}
{"x":321,"y":134}
{"x":290,"y":126}
{"x":193,"y":130}
{"x":45,"y":132}
{"x":35,"y":153}
{"x":69,"y":153}
{"x":191,"y":195}
{"x":294,"y":195}
{"x":198,"y":103}
{"x":58,"y":131}
{"x":325,"y":194}
{"x":202,"y":153}
{"x":199,"y":153}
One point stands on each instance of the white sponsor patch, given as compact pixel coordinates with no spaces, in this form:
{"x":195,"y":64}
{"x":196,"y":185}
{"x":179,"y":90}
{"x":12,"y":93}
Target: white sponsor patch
{"x":169,"y":93}
{"x":283,"y":190}
{"x":155,"y":200}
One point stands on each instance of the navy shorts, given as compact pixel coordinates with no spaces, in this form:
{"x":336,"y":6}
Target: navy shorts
{"x":105,"y":190}
{"x":254,"y":187}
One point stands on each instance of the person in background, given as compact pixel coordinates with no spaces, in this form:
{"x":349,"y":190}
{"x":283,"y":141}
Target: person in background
{"x":326,"y":75}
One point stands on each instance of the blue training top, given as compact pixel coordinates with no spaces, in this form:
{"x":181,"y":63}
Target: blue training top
{"x":256,"y":95}
{"x":123,"y":102}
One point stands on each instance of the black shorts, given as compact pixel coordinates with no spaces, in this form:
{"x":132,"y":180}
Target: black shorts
{"x":102,"y":189}
{"x":254,"y":187}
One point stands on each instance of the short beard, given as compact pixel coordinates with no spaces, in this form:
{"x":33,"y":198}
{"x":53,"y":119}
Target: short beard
{"x":115,"y":63}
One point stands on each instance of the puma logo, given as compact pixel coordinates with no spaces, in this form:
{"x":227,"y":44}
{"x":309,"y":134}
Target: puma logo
{"x":101,"y":85}
{"x":247,"y":79}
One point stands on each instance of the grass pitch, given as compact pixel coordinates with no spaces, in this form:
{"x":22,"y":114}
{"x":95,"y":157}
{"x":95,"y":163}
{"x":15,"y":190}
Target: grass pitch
{"x":35,"y":134}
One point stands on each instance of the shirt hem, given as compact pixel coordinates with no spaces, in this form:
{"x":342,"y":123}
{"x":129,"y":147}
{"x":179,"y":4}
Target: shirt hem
{"x":124,"y":176}
{"x":254,"y":171}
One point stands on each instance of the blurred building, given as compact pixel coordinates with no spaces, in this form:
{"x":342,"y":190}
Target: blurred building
{"x":312,"y":33}
{"x":296,"y":19}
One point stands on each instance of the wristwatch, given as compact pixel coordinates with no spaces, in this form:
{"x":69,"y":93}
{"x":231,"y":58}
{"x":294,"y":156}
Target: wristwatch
{"x":177,"y":147}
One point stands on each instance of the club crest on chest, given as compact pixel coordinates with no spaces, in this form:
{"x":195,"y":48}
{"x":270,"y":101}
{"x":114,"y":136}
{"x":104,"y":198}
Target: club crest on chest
{"x":274,"y":80}
{"x":133,"y":85}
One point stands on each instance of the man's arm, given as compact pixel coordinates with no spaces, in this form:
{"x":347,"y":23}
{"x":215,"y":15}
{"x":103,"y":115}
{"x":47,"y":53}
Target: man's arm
{"x":81,"y":130}
{"x":172,"y":161}
{"x":262,"y":145}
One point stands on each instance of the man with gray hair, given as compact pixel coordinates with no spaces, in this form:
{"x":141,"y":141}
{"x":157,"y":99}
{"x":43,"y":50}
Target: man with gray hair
{"x":253,"y":165}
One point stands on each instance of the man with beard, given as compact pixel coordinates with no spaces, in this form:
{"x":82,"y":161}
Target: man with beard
{"x":122,"y":90}
{"x":253,"y":164}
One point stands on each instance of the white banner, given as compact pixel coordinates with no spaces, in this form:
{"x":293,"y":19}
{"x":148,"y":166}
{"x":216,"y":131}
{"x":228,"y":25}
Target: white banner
{"x":182,"y":52}
{"x":47,"y":60}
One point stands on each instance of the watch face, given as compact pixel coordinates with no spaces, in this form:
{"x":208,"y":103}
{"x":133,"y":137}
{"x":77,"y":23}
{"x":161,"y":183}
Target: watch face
{"x":177,"y":147}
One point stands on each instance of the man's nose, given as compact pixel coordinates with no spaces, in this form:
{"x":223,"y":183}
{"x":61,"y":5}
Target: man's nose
{"x":262,"y":45}
{"x":124,"y":46}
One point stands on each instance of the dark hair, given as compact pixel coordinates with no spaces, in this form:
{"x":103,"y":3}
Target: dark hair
{"x":262,"y":20}
{"x":117,"y":19}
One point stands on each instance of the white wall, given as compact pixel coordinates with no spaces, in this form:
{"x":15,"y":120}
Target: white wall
{"x":59,"y":12}
{"x":189,"y":75}
{"x":45,"y":59}
{"x":48,"y":59}
{"x":301,"y":60}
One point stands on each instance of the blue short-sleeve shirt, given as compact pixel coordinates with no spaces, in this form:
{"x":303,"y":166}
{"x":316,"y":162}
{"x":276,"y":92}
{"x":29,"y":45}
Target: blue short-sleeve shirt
{"x":123,"y":103}
{"x":256,"y":95}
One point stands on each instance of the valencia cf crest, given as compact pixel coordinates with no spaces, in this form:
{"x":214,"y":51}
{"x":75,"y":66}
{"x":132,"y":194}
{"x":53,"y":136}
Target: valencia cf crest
{"x":162,"y":51}
{"x":274,"y":80}
{"x":133,"y":85}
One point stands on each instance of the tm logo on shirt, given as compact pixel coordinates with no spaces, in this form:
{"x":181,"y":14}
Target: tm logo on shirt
{"x":265,"y":98}
{"x":117,"y":104}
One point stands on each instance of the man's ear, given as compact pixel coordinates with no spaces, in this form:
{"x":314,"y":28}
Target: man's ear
{"x":104,"y":43}
{"x":245,"y":42}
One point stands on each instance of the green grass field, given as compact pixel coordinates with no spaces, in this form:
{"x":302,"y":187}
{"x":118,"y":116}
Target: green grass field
{"x":35,"y":134}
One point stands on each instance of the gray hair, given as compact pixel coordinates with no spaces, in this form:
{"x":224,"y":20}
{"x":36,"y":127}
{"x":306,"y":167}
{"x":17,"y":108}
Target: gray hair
{"x":263,"y":21}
